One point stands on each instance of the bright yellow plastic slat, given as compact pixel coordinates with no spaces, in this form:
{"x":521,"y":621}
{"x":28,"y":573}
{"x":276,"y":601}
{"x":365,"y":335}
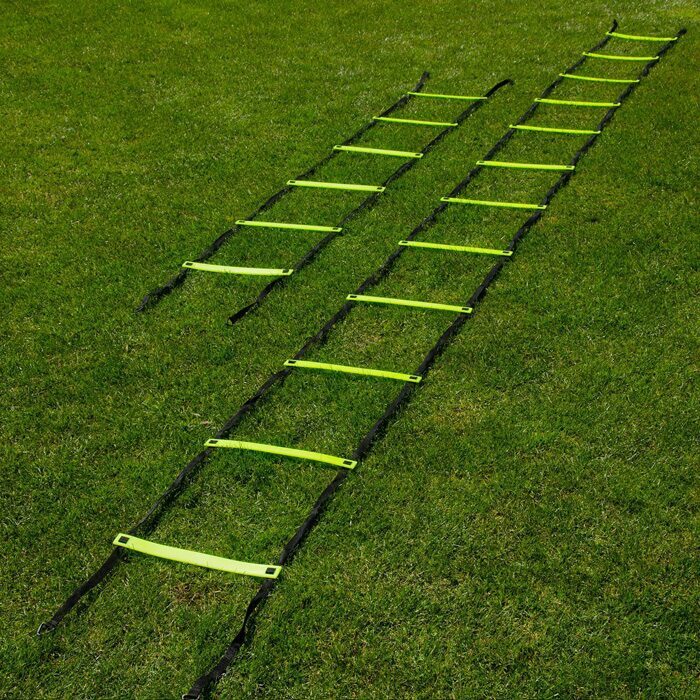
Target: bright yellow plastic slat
{"x":576,"y":103}
{"x":346,"y":369}
{"x":636,"y":37}
{"x":410,"y":302}
{"x":336,"y":186}
{"x":489,"y":203}
{"x":284,"y":451}
{"x":294,"y":227}
{"x":456,"y":248}
{"x":553,"y":129}
{"x":522,"y":166}
{"x":187,"y":556}
{"x":618,"y":57}
{"x":236,"y":270}
{"x":419,"y":122}
{"x":379,"y":151}
{"x":438,"y":96}
{"x":593,"y":79}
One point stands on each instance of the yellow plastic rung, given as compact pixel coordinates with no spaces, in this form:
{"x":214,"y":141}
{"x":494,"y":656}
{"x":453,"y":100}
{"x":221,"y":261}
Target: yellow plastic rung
{"x":229,"y":269}
{"x":187,"y":556}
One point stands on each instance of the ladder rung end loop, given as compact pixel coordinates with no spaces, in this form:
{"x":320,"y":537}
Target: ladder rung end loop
{"x":283,"y":451}
{"x":594,"y":79}
{"x":439,"y":96}
{"x":410,"y":302}
{"x":346,"y":369}
{"x":618,"y":57}
{"x":231,"y":270}
{"x":637,"y":37}
{"x":295,"y":227}
{"x":187,"y":556}
{"x":336,"y":186}
{"x":523,"y":166}
{"x":575,"y":103}
{"x":554,"y":130}
{"x":487,"y":203}
{"x":420,"y":122}
{"x":378,"y":151}
{"x":456,"y":248}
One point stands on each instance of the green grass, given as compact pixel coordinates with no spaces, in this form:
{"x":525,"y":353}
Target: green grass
{"x":525,"y":528}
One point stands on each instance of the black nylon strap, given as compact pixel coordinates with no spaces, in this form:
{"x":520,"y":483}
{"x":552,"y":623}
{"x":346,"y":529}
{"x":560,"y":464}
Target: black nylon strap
{"x":84,"y":588}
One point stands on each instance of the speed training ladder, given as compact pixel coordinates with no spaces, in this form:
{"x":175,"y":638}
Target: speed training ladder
{"x":136,"y":538}
{"x":373,"y":191}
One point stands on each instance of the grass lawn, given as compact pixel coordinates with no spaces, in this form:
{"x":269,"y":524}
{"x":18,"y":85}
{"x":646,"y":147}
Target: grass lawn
{"x":527,"y":526}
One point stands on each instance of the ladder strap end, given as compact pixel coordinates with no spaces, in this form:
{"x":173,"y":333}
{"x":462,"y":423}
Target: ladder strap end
{"x":121,"y":539}
{"x":45,"y":628}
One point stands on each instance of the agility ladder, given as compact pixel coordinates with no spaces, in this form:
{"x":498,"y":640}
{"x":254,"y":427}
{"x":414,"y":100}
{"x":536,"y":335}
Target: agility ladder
{"x":409,"y":381}
{"x":408,"y":158}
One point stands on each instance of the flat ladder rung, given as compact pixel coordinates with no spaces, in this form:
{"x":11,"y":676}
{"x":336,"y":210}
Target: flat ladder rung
{"x":284,"y":451}
{"x":554,"y":130}
{"x":439,"y":96}
{"x":420,"y":122}
{"x":379,"y":151}
{"x":489,"y":203}
{"x":306,"y":364}
{"x":187,"y":556}
{"x":456,"y":248}
{"x":231,"y":270}
{"x":336,"y":186}
{"x":409,"y":302}
{"x":576,"y":103}
{"x":522,"y":166}
{"x":637,"y":37}
{"x":593,"y":79}
{"x":618,"y":57}
{"x":295,"y":227}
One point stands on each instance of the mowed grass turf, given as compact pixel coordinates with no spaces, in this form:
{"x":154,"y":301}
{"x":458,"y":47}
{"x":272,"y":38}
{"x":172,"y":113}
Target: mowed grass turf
{"x":526,"y":528}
